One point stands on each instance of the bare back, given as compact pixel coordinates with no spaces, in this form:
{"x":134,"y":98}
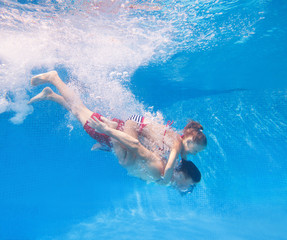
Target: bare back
{"x":141,"y":162}
{"x":158,"y":138}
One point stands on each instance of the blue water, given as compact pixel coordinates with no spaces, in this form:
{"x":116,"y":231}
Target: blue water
{"x":222,"y":63}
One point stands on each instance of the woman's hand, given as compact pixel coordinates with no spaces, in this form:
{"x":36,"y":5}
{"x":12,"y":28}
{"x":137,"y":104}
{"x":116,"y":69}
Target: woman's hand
{"x":99,"y":126}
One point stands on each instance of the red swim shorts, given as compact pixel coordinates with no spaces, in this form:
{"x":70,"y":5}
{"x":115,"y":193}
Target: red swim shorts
{"x":102,"y":138}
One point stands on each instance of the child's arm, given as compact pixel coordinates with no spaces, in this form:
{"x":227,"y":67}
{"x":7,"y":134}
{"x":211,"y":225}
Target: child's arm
{"x":168,"y":171}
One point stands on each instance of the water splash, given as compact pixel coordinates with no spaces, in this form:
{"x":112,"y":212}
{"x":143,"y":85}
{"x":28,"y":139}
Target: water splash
{"x":101,"y":43}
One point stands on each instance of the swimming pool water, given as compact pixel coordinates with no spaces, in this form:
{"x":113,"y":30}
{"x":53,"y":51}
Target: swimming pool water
{"x":222,"y":63}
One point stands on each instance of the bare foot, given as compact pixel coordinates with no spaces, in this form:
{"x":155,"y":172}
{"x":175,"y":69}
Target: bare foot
{"x":44,"y":95}
{"x":44,"y":78}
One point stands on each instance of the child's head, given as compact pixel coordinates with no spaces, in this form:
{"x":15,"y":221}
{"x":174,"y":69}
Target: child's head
{"x":193,"y":138}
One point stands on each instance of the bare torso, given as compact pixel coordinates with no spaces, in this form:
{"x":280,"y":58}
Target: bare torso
{"x":157,"y":141}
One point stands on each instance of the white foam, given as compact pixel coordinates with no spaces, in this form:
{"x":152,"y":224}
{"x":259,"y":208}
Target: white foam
{"x":89,"y":48}
{"x":4,"y":105}
{"x":100,"y":45}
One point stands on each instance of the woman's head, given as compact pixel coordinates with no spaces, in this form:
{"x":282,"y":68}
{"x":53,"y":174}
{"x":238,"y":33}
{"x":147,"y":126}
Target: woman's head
{"x":193,"y":138}
{"x":186,"y":176}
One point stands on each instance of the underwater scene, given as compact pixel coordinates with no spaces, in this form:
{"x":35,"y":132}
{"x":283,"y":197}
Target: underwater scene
{"x":218,"y":62}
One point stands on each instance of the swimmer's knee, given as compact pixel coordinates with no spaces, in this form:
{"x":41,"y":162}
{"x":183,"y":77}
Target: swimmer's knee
{"x":78,"y":114}
{"x":81,"y":112}
{"x":82,"y":118}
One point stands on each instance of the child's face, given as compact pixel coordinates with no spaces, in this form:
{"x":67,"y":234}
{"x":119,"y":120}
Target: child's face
{"x":190,"y":147}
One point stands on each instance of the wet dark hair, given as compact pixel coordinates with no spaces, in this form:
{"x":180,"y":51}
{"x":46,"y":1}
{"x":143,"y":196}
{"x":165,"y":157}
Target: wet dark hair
{"x":194,"y":129}
{"x":189,"y":170}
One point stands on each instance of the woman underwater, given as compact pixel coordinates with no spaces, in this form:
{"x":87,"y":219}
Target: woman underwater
{"x":147,"y":150}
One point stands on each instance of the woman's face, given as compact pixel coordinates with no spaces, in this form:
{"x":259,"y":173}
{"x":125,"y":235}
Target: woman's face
{"x":190,"y":147}
{"x":182,"y":183}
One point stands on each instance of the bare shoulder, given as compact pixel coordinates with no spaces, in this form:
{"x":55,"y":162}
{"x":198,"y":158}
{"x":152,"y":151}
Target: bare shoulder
{"x":174,"y":135}
{"x":178,"y":142}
